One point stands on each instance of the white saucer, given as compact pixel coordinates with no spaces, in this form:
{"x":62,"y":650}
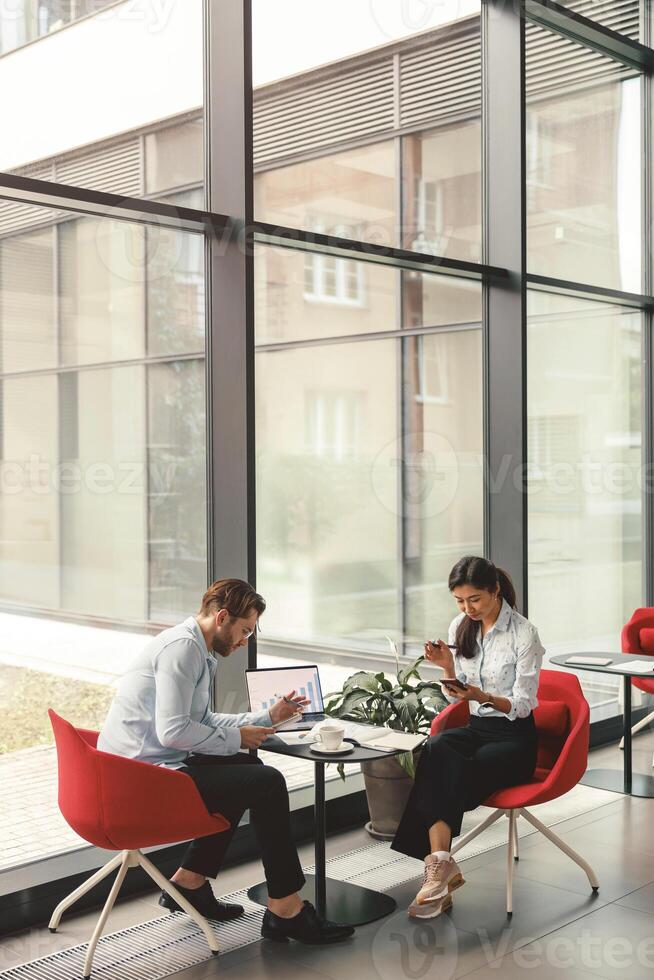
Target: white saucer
{"x":321,"y":750}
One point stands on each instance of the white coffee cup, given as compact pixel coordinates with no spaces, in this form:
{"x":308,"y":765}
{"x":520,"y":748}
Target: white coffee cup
{"x":331,"y":736}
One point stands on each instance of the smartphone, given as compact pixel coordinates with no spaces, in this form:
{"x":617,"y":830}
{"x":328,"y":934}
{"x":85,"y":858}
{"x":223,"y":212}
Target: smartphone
{"x":454,"y":682}
{"x":295,"y":717}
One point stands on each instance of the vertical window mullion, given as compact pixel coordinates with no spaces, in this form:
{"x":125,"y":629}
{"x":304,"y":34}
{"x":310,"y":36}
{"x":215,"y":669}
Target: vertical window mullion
{"x":504,"y":244}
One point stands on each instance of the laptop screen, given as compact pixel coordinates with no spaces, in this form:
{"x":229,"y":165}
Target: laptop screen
{"x":268,"y":684}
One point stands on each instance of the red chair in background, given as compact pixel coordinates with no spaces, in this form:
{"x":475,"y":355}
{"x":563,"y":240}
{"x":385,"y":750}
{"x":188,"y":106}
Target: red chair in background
{"x":563,"y":725}
{"x":124,"y":805}
{"x":638,"y":637}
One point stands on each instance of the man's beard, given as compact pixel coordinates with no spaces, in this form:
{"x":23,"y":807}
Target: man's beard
{"x":220,"y":646}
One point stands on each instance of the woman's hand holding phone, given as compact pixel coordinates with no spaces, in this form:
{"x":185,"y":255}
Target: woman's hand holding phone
{"x":466,"y":692}
{"x":454,"y":684}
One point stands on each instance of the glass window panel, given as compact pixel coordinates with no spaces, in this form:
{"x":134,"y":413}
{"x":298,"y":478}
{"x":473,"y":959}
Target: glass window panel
{"x":102,"y":274}
{"x":349,"y":194}
{"x":176,"y":488}
{"x":102,"y":472}
{"x":81,"y":450}
{"x":622,"y":16}
{"x":326,"y":493}
{"x":585,"y":476}
{"x":29,"y":543}
{"x":102,"y":524}
{"x":27,"y":301}
{"x":583,"y":165}
{"x":89,"y":133}
{"x":174,"y":157}
{"x":441,"y":187}
{"x":443,"y":482}
{"x":175,"y":287}
{"x":330,"y":469}
{"x":397,"y":67}
{"x":439,"y":301}
{"x":307,"y":295}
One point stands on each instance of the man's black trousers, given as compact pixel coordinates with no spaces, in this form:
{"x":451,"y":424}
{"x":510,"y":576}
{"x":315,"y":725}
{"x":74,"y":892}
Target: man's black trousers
{"x":458,"y":769}
{"x":230,"y":785}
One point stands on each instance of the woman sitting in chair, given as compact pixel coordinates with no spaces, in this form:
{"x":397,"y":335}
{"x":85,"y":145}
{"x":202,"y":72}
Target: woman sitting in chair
{"x":492,"y":660}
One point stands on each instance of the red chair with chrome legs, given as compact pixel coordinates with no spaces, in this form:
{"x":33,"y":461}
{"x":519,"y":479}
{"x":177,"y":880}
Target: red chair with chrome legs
{"x":124,"y":805}
{"x":638,"y":637}
{"x":563,"y":725}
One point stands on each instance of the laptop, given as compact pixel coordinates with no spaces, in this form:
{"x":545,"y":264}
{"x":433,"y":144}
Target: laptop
{"x":266,"y":685}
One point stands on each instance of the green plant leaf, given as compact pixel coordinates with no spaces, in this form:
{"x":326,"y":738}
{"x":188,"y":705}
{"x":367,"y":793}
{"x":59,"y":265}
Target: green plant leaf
{"x":361,"y":679}
{"x":367,"y":681}
{"x":411,"y":670}
{"x":410,"y":705}
{"x":384,"y":682}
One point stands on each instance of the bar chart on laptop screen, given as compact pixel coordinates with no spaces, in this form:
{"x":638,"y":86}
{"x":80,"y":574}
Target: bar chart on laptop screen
{"x":268,"y":686}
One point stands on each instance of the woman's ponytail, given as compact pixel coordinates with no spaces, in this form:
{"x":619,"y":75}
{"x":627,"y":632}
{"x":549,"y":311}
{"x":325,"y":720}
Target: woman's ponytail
{"x":507,"y":588}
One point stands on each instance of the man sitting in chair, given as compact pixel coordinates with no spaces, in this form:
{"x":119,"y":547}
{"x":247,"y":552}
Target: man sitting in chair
{"x":161,"y":715}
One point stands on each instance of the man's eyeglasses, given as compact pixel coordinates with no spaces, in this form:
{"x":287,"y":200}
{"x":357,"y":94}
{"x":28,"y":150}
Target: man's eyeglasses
{"x":246,"y":633}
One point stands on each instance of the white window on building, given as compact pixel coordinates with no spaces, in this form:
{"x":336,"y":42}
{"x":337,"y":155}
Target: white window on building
{"x":331,"y":280}
{"x":429,"y":210}
{"x":333,"y":421}
{"x":433,"y":387}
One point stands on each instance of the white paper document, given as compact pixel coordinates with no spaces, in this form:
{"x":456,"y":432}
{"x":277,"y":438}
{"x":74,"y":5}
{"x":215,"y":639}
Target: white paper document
{"x":582,"y":660}
{"x":634,"y":667}
{"x":295,"y":738}
{"x":392,"y":740}
{"x":362,"y":733}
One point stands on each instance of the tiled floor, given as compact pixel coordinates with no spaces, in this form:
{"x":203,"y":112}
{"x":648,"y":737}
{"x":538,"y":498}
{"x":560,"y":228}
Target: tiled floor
{"x":558,"y":928}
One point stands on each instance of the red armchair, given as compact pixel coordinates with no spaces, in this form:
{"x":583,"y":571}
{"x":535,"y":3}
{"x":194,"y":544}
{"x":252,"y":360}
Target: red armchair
{"x":562,"y":722}
{"x":124,"y":805}
{"x":638,"y":637}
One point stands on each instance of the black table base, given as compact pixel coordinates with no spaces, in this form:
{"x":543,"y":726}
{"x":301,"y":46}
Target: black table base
{"x":613,"y":779}
{"x":338,"y":901}
{"x":348,"y":904}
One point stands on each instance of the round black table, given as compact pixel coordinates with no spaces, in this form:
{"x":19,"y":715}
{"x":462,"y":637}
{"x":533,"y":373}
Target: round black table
{"x":339,"y":901}
{"x":632,"y":784}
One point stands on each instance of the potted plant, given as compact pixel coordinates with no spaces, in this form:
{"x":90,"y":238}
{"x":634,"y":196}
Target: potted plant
{"x":408,"y":705}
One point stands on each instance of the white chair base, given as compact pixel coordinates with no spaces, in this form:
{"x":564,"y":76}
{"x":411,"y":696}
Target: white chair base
{"x":512,"y":849}
{"x":124,"y":861}
{"x":638,"y":727}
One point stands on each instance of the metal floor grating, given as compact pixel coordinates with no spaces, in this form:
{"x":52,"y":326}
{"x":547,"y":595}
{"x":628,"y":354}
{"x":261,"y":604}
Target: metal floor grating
{"x":172,"y":942}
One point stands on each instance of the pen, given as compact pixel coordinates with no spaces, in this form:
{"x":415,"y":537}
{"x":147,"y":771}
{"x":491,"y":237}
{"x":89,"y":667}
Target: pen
{"x":452,"y":646}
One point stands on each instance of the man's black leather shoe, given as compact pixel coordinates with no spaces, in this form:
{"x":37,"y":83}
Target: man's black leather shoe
{"x":306,"y":927}
{"x":204,"y":900}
